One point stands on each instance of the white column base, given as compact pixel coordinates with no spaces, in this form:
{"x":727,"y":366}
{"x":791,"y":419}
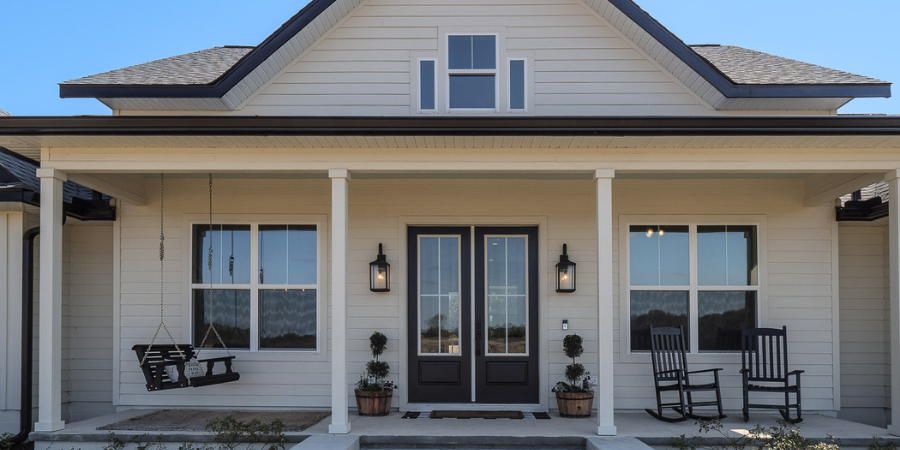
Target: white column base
{"x":606,"y":431}
{"x":49,"y":426}
{"x":343,"y":428}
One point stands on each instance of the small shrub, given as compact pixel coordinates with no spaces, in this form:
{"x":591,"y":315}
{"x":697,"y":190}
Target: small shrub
{"x":6,"y":441}
{"x":376,"y":370}
{"x":879,"y":443}
{"x":229,"y":433}
{"x":780,"y":437}
{"x":578,"y":379}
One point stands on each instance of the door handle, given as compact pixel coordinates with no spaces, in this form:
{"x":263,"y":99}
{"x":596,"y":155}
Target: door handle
{"x":477,"y":339}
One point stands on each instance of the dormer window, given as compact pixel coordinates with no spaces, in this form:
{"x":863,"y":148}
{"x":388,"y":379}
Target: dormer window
{"x":472,"y":71}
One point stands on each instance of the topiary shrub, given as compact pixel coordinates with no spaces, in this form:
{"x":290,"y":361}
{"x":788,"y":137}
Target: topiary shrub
{"x":577,"y":379}
{"x":376,"y":370}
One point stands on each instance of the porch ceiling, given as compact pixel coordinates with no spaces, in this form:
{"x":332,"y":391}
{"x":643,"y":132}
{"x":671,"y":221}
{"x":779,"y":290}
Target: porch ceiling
{"x":27,"y":135}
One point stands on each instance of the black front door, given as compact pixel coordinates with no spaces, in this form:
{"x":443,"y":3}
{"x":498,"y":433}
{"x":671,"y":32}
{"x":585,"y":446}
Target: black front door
{"x":473,"y":342}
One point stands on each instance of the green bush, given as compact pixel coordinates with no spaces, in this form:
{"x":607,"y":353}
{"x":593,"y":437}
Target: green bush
{"x":376,"y":370}
{"x":578,"y":379}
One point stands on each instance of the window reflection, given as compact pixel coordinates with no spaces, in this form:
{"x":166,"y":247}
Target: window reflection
{"x":231,"y":254}
{"x":659,"y":255}
{"x":507,"y":293}
{"x":659,"y":309}
{"x":287,"y":318}
{"x":230,"y":313}
{"x":287,"y":254}
{"x":722,"y":314}
{"x":439,"y":287}
{"x":726,"y":255}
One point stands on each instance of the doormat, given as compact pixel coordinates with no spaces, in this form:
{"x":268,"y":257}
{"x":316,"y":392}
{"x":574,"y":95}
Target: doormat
{"x":476,"y":415}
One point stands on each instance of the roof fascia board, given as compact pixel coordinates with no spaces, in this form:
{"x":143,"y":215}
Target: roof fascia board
{"x":439,"y":126}
{"x":221,"y":86}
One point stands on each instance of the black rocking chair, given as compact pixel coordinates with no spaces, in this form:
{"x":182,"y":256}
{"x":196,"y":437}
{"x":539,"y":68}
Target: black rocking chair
{"x":764,"y":359}
{"x":671,"y":374}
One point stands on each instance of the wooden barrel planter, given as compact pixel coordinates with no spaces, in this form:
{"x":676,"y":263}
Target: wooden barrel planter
{"x":575,"y":404}
{"x":373,"y":403}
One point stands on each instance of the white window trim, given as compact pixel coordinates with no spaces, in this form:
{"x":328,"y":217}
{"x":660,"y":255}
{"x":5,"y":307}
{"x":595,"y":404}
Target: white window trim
{"x":321,"y":223}
{"x":525,"y":83}
{"x":762,"y":304}
{"x":497,"y":72}
{"x":417,"y":86}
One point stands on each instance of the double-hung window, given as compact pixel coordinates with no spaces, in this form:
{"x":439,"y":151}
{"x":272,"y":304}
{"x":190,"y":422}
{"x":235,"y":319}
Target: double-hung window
{"x":704,"y":278}
{"x":472,"y":71}
{"x":263,"y":286}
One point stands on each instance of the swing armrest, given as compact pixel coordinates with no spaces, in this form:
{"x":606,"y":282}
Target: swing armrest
{"x":211,"y":362}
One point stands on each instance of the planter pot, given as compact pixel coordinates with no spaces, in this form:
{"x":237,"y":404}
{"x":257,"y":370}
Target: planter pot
{"x":373,"y":403}
{"x":575,"y":404}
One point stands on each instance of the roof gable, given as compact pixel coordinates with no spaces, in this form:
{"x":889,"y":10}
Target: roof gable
{"x":714,"y":75}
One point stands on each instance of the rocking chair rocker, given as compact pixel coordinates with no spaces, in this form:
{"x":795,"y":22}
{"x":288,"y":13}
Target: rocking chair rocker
{"x":671,"y":374}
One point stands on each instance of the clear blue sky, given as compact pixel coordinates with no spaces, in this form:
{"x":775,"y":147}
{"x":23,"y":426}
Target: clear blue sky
{"x":47,"y":42}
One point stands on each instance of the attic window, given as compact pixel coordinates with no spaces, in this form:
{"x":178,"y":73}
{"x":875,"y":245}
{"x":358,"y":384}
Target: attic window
{"x":472,"y":71}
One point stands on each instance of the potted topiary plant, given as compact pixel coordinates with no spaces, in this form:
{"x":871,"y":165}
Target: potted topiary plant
{"x":575,"y":396}
{"x":373,"y":393}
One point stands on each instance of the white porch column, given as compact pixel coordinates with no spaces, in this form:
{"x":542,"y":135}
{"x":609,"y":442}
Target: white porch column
{"x":50,"y":343}
{"x":340,"y":180}
{"x":604,"y":395}
{"x":893,"y":179}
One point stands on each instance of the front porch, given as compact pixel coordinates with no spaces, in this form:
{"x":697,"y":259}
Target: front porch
{"x":421,"y":433}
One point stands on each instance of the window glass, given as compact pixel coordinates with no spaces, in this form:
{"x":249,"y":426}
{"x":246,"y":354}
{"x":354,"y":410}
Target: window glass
{"x":231,"y":254}
{"x":472,"y":52}
{"x":287,"y":318}
{"x":507,"y":294}
{"x":659,"y":255}
{"x":659,"y":309}
{"x":722,"y":314}
{"x":726,"y":255}
{"x":426,"y":85}
{"x":287,"y":254}
{"x":472,"y":91}
{"x":516,"y":84}
{"x":230,"y":314}
{"x":439,"y":288}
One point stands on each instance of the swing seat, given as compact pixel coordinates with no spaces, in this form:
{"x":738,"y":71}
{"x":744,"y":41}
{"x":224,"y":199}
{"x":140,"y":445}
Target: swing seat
{"x":161,"y":356}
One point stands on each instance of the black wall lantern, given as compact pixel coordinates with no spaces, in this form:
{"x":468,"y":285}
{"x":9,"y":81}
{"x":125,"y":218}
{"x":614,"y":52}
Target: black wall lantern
{"x":380,"y":273}
{"x":565,"y":273}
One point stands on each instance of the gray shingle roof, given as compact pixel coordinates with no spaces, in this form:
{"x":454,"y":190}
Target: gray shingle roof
{"x":4,"y":113}
{"x":741,"y":65}
{"x":26,"y":175}
{"x":745,"y":66}
{"x":201,"y":67}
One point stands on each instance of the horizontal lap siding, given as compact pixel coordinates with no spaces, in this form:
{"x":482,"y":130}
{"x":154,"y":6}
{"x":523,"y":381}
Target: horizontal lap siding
{"x":799,"y":276}
{"x":865,"y":346}
{"x":88,"y":324}
{"x":581,"y":64}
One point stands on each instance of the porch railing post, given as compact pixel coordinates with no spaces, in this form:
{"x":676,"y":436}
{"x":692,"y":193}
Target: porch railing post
{"x":893,"y":179}
{"x":340,"y":180}
{"x":604,"y":396}
{"x":50,"y":306}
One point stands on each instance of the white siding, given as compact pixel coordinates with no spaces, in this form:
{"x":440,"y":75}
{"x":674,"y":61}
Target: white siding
{"x":799,"y":273}
{"x":582,"y":65}
{"x":88,"y":327}
{"x":865,"y":345}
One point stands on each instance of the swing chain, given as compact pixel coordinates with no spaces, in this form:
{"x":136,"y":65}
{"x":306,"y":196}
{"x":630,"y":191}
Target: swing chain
{"x":162,"y":256}
{"x":209,"y":261}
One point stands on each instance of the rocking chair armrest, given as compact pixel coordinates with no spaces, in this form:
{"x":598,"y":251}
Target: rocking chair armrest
{"x":744,"y":371}
{"x":706,"y":370}
{"x":795,"y":373}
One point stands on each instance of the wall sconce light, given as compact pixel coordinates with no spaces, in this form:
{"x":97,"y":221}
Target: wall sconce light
{"x":380,"y":273}
{"x":565,"y":273}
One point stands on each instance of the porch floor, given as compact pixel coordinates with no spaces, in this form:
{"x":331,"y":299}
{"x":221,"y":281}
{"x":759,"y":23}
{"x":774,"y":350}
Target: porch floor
{"x":394,"y":430}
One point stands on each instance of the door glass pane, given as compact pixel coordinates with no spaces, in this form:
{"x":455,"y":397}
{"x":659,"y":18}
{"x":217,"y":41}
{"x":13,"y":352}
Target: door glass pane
{"x":660,"y":309}
{"x":472,"y":91}
{"x":726,"y":255}
{"x":506,"y":275}
{"x":287,"y":254}
{"x":472,"y":52}
{"x":721,"y":315}
{"x":439,"y":288}
{"x":287,"y":318}
{"x":659,"y":255}
{"x":231,"y":254}
{"x":230,"y":314}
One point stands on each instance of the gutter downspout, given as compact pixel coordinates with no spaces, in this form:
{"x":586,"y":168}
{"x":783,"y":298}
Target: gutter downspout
{"x":25,"y":414}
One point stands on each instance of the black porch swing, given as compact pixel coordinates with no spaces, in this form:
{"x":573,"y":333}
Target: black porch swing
{"x":174,"y":366}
